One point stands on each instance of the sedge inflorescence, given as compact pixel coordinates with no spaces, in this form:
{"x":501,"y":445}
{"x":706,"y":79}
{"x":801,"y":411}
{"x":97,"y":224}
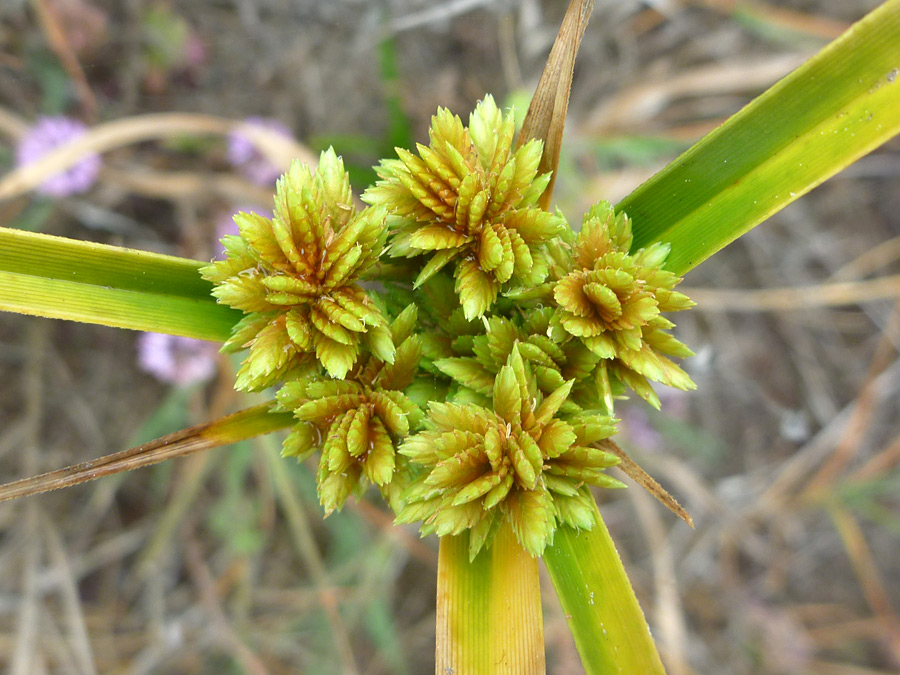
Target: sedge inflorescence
{"x":451,"y":344}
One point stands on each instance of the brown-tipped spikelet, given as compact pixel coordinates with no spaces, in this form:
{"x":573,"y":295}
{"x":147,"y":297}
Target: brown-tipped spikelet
{"x":613,"y":302}
{"x":469,"y":198}
{"x":295,"y":277}
{"x":518,"y":461}
{"x":358,"y":422}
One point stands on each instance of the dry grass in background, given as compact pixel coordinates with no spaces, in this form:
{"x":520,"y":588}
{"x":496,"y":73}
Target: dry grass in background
{"x":786,"y":455}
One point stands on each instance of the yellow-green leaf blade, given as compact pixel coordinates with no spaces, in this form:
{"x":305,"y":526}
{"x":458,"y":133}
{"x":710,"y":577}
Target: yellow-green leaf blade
{"x":489,"y":617}
{"x":603,"y":613}
{"x":56,"y":299}
{"x":59,"y":278}
{"x":840,"y":105}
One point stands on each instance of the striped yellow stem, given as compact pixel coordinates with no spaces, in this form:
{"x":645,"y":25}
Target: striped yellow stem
{"x":489,"y":616}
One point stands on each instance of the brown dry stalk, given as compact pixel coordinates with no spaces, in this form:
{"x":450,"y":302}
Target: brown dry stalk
{"x":633,"y":470}
{"x":869,"y":577}
{"x":801,"y":22}
{"x":546,"y":115}
{"x":55,"y":33}
{"x":794,"y":298}
{"x":878,"y":257}
{"x":863,"y":410}
{"x":641,"y":102}
{"x":183,"y":184}
{"x":307,"y":548}
{"x":669,"y":610}
{"x":879,"y":464}
{"x":185,"y":442}
{"x":111,"y":135}
{"x":224,"y":632}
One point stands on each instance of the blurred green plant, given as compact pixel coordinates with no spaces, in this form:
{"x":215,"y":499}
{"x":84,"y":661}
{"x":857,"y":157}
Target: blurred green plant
{"x":476,"y":385}
{"x":56,"y":89}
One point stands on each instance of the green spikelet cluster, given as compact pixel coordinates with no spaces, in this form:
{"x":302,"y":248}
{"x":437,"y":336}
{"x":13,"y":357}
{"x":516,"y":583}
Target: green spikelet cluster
{"x":516,"y":460}
{"x":468,"y":198}
{"x":357,"y":423}
{"x":472,"y":380}
{"x":295,"y":277}
{"x":613,"y":302}
{"x":474,"y":362}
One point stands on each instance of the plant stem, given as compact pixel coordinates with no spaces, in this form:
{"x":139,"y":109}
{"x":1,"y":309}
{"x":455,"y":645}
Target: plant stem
{"x":489,"y":617}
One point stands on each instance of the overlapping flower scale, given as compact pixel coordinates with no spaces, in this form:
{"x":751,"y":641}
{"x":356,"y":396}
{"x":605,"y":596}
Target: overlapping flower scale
{"x":358,"y":423}
{"x":476,"y":363}
{"x":517,"y":461}
{"x":569,"y":475}
{"x":295,"y":276}
{"x":613,"y":302}
{"x":469,"y":197}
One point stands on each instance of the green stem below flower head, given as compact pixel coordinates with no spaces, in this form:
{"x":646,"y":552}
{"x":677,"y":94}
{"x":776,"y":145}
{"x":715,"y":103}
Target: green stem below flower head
{"x":489,"y":616}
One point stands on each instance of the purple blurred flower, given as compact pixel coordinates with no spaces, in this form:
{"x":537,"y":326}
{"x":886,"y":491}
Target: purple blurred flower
{"x":46,"y":135}
{"x":639,"y":430}
{"x":637,"y":424}
{"x":177,"y":360}
{"x":243,"y":153}
{"x":226,"y":226}
{"x":196,"y":52}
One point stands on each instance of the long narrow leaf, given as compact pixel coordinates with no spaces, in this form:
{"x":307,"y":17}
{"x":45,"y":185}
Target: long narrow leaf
{"x":62,"y":278}
{"x":489,"y":618}
{"x":603,"y":613}
{"x":840,"y":105}
{"x":230,"y":429}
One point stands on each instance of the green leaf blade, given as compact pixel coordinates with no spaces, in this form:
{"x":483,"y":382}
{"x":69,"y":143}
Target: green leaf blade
{"x":606,"y":621}
{"x":840,"y":105}
{"x":59,"y":278}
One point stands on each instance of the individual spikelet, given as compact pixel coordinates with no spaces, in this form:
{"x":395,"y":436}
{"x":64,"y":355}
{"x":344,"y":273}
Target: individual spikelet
{"x":470,"y":199}
{"x":517,"y":460}
{"x":295,"y":276}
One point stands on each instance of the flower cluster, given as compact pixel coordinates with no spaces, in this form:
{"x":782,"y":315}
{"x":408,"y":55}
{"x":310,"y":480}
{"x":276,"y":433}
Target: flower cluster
{"x":296,"y":277}
{"x":517,"y":459}
{"x":469,"y":198}
{"x":474,"y":383}
{"x":612,"y":301}
{"x":357,"y":422}
{"x":474,"y":363}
